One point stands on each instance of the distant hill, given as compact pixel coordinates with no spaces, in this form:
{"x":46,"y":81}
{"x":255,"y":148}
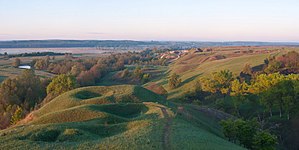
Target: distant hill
{"x":127,"y":44}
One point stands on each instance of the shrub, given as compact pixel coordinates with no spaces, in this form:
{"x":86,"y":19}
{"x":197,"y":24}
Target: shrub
{"x":48,"y":135}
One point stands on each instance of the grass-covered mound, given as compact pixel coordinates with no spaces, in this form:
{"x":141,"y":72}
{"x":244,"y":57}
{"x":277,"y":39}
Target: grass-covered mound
{"x":116,"y":117}
{"x":99,"y":95}
{"x":91,"y":127}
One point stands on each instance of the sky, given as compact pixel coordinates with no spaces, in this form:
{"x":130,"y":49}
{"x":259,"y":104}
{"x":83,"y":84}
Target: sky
{"x":167,"y":20}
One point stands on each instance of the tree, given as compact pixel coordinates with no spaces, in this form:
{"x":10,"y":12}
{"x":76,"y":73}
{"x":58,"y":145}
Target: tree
{"x":219,"y":82}
{"x":41,"y":64}
{"x":30,"y":89}
{"x":268,"y":99}
{"x":86,"y":78}
{"x":246,"y":74}
{"x":138,"y":73}
{"x":246,"y":131}
{"x":8,"y":92}
{"x":285,"y":93}
{"x":265,"y":81}
{"x":32,"y":63}
{"x":273,"y":67}
{"x":77,"y":69}
{"x":125,"y":73}
{"x":61,"y":84}
{"x":17,"y":116}
{"x":263,"y":140}
{"x":290,"y":60}
{"x":96,"y":71}
{"x":238,"y":88}
{"x":174,"y":81}
{"x":240,"y":130}
{"x":16,"y":63}
{"x":146,"y":78}
{"x":229,"y":129}
{"x":247,"y":69}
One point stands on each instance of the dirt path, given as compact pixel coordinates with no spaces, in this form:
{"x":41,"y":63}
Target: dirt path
{"x":167,"y":130}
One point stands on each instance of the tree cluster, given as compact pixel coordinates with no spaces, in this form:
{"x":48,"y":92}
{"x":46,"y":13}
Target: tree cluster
{"x":249,"y":134}
{"x":23,"y":92}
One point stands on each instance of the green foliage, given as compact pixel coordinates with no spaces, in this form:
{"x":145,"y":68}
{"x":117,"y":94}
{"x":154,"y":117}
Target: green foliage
{"x":273,"y":67}
{"x":219,"y":82}
{"x":61,"y":84}
{"x":248,"y":134}
{"x":282,"y":95}
{"x":265,"y":81}
{"x":17,"y":116}
{"x":138,"y":73}
{"x":25,"y":91}
{"x":47,"y":135}
{"x":174,"y":81}
{"x":230,"y":130}
{"x":238,"y":88}
{"x":69,"y":135}
{"x":263,"y":140}
{"x":146,"y":78}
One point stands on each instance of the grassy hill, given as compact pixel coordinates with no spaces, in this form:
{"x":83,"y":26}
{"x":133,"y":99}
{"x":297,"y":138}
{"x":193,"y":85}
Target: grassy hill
{"x":194,"y":65}
{"x":115,"y":117}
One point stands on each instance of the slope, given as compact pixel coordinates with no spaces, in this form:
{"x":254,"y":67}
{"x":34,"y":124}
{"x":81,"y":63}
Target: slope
{"x":115,"y":117}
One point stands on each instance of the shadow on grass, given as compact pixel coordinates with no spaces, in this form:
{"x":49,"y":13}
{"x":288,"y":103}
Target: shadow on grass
{"x":190,"y":79}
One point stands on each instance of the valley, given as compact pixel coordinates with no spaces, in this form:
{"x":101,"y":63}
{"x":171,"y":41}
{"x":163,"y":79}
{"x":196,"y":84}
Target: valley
{"x":128,"y":101}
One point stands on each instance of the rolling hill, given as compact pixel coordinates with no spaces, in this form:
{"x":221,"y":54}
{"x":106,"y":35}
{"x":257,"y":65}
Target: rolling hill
{"x":193,"y":66}
{"x":115,"y":117}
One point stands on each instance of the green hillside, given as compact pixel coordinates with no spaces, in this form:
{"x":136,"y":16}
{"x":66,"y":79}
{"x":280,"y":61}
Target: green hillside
{"x":115,"y":117}
{"x":193,"y":66}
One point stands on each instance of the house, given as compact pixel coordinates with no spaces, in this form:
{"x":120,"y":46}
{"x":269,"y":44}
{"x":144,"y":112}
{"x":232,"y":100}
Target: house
{"x":24,"y":67}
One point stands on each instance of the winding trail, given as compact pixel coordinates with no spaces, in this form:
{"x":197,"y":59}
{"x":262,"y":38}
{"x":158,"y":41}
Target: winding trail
{"x":167,"y":130}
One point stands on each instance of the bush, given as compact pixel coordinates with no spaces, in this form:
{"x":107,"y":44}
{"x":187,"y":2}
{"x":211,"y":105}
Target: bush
{"x":69,"y":134}
{"x":174,"y":81}
{"x":48,"y":135}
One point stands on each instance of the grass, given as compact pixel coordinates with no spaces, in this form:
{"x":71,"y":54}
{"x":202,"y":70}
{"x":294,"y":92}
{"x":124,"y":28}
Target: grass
{"x":112,"y":78}
{"x":92,"y":119}
{"x":134,"y":133}
{"x":130,"y":117}
{"x":86,"y":95}
{"x":193,"y":66}
{"x":106,"y":95}
{"x":196,"y":138}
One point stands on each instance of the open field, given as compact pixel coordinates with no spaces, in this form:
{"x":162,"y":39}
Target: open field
{"x":7,"y":70}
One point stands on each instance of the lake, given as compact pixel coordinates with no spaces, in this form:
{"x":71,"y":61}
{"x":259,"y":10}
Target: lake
{"x":75,"y":50}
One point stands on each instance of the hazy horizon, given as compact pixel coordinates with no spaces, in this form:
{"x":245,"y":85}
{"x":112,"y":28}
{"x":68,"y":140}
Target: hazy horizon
{"x":168,"y":20}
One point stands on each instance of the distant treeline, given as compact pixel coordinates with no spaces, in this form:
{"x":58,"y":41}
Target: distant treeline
{"x":34,"y":54}
{"x":130,"y":44}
